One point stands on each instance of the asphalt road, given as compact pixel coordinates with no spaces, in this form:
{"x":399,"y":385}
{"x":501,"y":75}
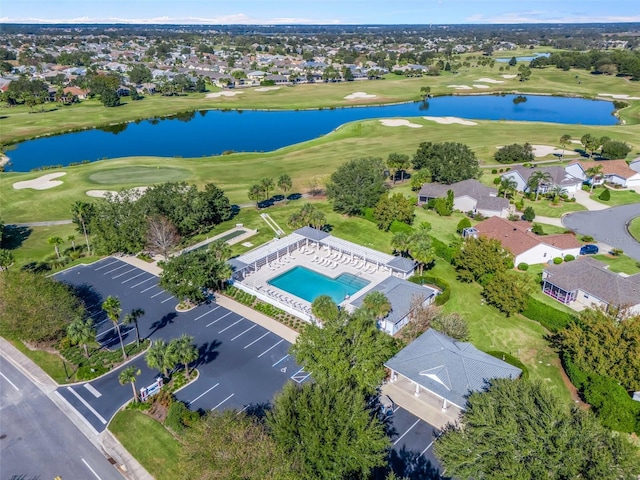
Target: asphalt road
{"x":607,"y":226}
{"x":37,"y":441}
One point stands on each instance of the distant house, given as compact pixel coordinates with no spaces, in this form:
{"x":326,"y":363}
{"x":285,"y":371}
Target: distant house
{"x":526,"y":246}
{"x":400,"y":294}
{"x":468,"y":196}
{"x":635,"y":165}
{"x":613,"y":171}
{"x":76,"y":92}
{"x":559,"y":177}
{"x":586,"y":283}
{"x":447,"y":369}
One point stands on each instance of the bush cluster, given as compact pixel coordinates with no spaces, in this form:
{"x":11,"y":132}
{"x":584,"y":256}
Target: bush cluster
{"x":438,"y":282}
{"x":550,"y":318}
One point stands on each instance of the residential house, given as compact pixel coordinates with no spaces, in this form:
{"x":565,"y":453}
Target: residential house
{"x":526,"y":246}
{"x":613,"y":171}
{"x":468,"y":196}
{"x":587,"y":283}
{"x":444,"y":368}
{"x":79,"y":93}
{"x":559,"y":177}
{"x":402,"y":295}
{"x":635,"y":165}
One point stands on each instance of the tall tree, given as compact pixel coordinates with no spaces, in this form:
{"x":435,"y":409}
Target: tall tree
{"x":82,"y":214}
{"x":594,"y":174}
{"x":448,"y":162}
{"x":255,"y":194}
{"x":266,"y":184}
{"x":324,"y":308}
{"x":397,"y":162}
{"x":509,"y":291}
{"x":538,"y":178}
{"x":285,"y":184}
{"x":113,"y":309}
{"x":160,"y":357}
{"x":162,"y":235}
{"x":129,"y":375}
{"x":184,"y":351}
{"x":392,"y":208}
{"x":356,"y":185}
{"x":82,"y":332}
{"x":508,"y":185}
{"x":133,"y":317}
{"x":56,"y":242}
{"x":480,"y":257}
{"x":377,"y":304}
{"x":72,"y":239}
{"x":521,"y":429}
{"x":565,"y":140}
{"x":590,"y":143}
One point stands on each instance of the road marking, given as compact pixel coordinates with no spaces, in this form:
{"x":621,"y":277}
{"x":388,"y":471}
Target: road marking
{"x":203,"y":394}
{"x":140,"y":283}
{"x":296,"y":377}
{"x":106,"y":331}
{"x":428,"y":447}
{"x":206,"y":313}
{"x":86,"y":404}
{"x":114,"y":269}
{"x":159,"y":293}
{"x":89,"y":467}
{"x":240,"y":334}
{"x":152,"y":286}
{"x":129,"y":279}
{"x":93,"y":391}
{"x":167,"y":299}
{"x":259,"y":338}
{"x":245,"y":407}
{"x":234,"y":323}
{"x":10,"y":382}
{"x":280,"y":359}
{"x":122,"y":274}
{"x":274,"y":346}
{"x":408,"y":430}
{"x":222,"y":401}
{"x":216,"y":321}
{"x":105,"y":266}
{"x":86,"y":422}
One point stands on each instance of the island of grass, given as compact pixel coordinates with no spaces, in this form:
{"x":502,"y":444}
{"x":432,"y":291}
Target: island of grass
{"x":634,"y":228}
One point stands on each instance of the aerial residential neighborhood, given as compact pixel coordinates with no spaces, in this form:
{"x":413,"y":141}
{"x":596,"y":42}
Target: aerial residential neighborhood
{"x":318,"y":240}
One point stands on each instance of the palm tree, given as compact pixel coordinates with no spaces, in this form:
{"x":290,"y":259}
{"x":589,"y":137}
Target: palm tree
{"x":113,"y":309}
{"x":285,"y":184}
{"x":536,"y":179}
{"x":223,"y":273}
{"x":266,"y":184}
{"x":6,"y":259}
{"x":184,"y":351}
{"x":72,"y":239}
{"x":400,"y":243}
{"x":80,"y":210}
{"x":564,"y":141}
{"x":220,"y":249}
{"x":508,"y":184}
{"x":594,"y":174}
{"x":555,"y":192}
{"x":377,"y":304}
{"x":128,"y":375}
{"x":82,"y":332}
{"x":133,"y":317}
{"x":422,"y":252}
{"x":55,"y":241}
{"x":160,"y":357}
{"x":324,"y":308}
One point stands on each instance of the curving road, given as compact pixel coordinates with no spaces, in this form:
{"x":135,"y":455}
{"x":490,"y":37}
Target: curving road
{"x":608,"y":226}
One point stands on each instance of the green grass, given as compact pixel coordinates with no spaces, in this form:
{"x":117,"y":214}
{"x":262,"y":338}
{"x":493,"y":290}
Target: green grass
{"x":618,"y":197}
{"x":622,"y":263}
{"x":149,"y":442}
{"x":51,"y":363}
{"x":118,"y":176}
{"x":634,"y":228}
{"x":545,"y":208}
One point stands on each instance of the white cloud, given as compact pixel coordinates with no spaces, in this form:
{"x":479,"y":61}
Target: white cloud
{"x":541,"y":16}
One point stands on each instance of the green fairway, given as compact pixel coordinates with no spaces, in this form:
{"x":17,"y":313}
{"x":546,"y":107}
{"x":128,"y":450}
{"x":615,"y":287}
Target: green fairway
{"x":634,"y":228}
{"x":124,"y":174}
{"x":149,"y":442}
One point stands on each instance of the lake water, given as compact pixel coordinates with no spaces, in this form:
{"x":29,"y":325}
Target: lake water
{"x":214,"y":132}
{"x":523,"y":59}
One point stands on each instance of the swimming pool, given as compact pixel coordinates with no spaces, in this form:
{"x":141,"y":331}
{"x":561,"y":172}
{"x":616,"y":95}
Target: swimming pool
{"x":308,"y":285}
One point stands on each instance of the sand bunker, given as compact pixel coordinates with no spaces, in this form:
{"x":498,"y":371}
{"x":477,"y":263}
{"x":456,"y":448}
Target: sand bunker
{"x":577,"y":142}
{"x":460,"y":87}
{"x":544,"y":150}
{"x":397,"y":122}
{"x":478,"y":85}
{"x":222,"y":94}
{"x":266,"y":89}
{"x":618,"y":96}
{"x":450,"y":120}
{"x":103,"y":193}
{"x":356,"y":95}
{"x":489,"y":80}
{"x":509,"y":76}
{"x":41,"y":183}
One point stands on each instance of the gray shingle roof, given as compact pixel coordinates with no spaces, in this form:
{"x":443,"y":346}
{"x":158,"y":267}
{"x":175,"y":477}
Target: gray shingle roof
{"x":492,"y":203}
{"x":448,"y":368}
{"x":558,"y":174}
{"x":312,"y":233}
{"x":471,"y":187}
{"x":591,"y":276}
{"x":402,"y":264}
{"x":399,"y":292}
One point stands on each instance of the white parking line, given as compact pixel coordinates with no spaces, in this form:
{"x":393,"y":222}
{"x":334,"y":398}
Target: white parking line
{"x":122,"y":274}
{"x":240,"y":334}
{"x":86,"y":422}
{"x":140,"y":283}
{"x":203,"y":394}
{"x":89,"y":467}
{"x":106,"y":331}
{"x":234,"y":323}
{"x":245,"y":407}
{"x":167,"y":299}
{"x":105,"y":266}
{"x":86,"y":404}
{"x":152,"y":286}
{"x":216,"y":321}
{"x":408,"y":430}
{"x":280,"y":360}
{"x":129,"y":279}
{"x":223,"y":401}
{"x":114,"y":269}
{"x":10,"y":382}
{"x":206,"y":313}
{"x":93,"y":391}
{"x":159,"y":293}
{"x":270,"y":348}
{"x":259,"y":338}
{"x":428,"y":447}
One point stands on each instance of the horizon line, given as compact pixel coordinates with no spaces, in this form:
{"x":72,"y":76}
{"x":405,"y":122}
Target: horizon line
{"x":272,"y":24}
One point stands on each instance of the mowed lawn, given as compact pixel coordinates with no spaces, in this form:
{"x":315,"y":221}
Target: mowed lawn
{"x":634,"y":228}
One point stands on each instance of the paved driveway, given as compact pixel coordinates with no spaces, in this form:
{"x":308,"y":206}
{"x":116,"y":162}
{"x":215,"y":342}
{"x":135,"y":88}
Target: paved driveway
{"x":607,"y":226}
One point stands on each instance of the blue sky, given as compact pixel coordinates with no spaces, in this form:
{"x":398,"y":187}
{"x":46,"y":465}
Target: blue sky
{"x":318,"y":11}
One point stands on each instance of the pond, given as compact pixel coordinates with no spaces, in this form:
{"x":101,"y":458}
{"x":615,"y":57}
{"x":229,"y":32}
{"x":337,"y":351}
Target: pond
{"x":213,"y":132}
{"x":523,"y":59}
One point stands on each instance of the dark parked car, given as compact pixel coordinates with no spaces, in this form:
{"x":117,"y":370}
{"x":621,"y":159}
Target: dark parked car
{"x":588,"y":250}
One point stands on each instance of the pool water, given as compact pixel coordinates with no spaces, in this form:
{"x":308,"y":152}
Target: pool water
{"x":308,"y":285}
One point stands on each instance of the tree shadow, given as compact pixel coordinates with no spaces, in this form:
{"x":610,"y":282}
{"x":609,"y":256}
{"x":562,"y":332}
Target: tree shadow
{"x":89,"y":296}
{"x":163,"y":322}
{"x":412,"y":465}
{"x":258,"y":410}
{"x":13,"y":236}
{"x":36,"y":267}
{"x":207,"y":353}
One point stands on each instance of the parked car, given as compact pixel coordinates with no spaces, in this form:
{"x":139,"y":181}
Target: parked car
{"x":588,"y":250}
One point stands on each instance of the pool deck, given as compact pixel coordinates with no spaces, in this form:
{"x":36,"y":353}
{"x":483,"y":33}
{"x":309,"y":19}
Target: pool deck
{"x":327,"y":263}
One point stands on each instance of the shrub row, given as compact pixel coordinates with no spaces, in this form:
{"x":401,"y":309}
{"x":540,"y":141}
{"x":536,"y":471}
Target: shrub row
{"x":550,"y":318}
{"x":438,"y":282}
{"x":443,"y":250}
{"x":511,"y":360}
